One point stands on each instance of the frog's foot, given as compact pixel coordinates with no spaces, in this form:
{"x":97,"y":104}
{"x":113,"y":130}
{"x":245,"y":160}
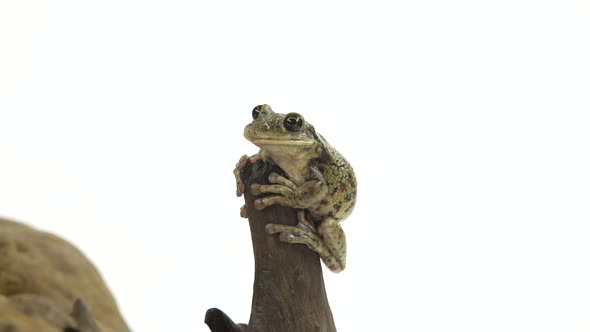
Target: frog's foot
{"x":299,"y":235}
{"x":243,"y":211}
{"x":287,"y":193}
{"x":283,"y":197}
{"x":244,"y":160}
{"x":284,"y":189}
{"x":279,"y":179}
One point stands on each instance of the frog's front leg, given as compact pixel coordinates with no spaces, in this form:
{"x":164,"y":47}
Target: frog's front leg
{"x":288,"y":193}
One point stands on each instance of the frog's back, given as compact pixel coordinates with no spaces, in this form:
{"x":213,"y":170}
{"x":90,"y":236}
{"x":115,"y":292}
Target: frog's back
{"x":341,"y":181}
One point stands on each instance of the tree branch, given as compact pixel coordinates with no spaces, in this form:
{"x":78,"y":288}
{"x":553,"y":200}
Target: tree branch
{"x":289,"y":293}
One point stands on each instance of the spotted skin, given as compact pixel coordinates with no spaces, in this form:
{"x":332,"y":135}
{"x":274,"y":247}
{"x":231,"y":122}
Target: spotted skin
{"x":319,"y":182}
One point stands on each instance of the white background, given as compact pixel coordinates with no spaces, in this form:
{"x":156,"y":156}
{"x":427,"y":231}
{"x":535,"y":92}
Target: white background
{"x":467,"y":123}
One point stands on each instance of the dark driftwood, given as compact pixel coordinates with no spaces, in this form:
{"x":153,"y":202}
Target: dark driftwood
{"x":289,"y":293}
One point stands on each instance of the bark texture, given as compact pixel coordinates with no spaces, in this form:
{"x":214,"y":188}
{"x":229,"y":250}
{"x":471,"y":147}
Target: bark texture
{"x":289,"y":293}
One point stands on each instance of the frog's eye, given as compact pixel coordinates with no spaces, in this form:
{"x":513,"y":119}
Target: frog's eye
{"x":293,"y":122}
{"x":256,"y":112}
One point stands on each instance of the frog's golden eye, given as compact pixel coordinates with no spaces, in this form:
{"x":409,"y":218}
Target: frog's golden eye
{"x":256,"y":112}
{"x":293,"y":122}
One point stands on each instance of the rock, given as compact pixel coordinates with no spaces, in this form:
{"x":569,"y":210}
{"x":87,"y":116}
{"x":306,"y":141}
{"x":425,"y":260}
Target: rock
{"x":48,"y":285}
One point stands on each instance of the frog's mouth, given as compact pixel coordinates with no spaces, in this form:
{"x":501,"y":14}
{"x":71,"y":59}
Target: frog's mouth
{"x":270,"y":140}
{"x":280,"y":142}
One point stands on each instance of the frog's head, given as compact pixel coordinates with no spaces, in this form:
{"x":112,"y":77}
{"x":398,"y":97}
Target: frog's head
{"x":270,"y":128}
{"x":281,"y":133}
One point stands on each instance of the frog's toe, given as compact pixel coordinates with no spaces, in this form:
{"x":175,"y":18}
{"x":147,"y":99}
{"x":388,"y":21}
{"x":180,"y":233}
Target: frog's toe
{"x":284,"y":229}
{"x":273,"y":228}
{"x":240,"y":188}
{"x":293,"y":234}
{"x":279,"y":179}
{"x":255,"y":189}
{"x":263,"y":202}
{"x":259,"y":204}
{"x":297,"y":239}
{"x":295,"y":230}
{"x":310,"y":241}
{"x":258,"y":189}
{"x":243,"y":212}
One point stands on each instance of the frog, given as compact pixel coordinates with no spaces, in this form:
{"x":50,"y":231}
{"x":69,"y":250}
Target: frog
{"x":318,"y":182}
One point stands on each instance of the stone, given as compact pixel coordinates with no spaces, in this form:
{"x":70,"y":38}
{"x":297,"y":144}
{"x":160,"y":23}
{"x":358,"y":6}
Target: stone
{"x":47,"y":284}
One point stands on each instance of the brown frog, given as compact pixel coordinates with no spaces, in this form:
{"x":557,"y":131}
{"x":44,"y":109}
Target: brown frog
{"x":319,"y":182}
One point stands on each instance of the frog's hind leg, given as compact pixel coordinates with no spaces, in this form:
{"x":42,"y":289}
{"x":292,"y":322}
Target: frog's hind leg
{"x":335,"y":240}
{"x":301,"y":235}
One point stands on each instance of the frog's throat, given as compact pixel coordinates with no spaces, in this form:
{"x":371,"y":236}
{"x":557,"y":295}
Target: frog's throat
{"x":281,"y":142}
